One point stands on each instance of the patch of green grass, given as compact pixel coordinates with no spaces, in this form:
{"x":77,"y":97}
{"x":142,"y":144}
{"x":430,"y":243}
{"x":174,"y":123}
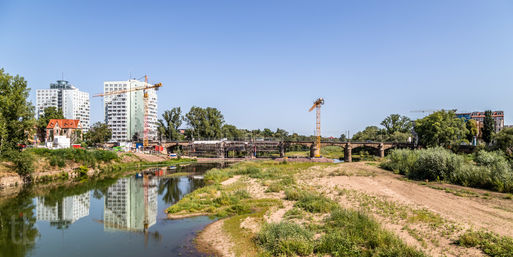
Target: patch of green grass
{"x":491,"y":244}
{"x":352,"y":233}
{"x":294,"y":213}
{"x":314,"y":203}
{"x":285,"y":238}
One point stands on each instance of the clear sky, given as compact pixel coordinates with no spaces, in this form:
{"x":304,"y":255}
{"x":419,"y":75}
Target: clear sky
{"x":263,"y":62}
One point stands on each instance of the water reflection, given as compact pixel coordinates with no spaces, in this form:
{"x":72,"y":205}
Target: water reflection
{"x":131,"y":204}
{"x":64,"y":212}
{"x":114,"y":216}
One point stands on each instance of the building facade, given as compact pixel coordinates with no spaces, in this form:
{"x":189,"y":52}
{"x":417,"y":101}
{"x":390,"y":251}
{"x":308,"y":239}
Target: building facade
{"x":124,"y":112}
{"x":498,"y":118}
{"x":74,"y":103}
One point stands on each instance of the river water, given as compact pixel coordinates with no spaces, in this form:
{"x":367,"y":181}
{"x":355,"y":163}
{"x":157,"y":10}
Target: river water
{"x":113,"y":217}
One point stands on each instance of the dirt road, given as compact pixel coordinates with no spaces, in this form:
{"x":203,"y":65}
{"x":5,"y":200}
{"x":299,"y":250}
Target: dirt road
{"x":383,"y":194}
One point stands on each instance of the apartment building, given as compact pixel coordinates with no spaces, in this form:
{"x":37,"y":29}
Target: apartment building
{"x":75,"y":104}
{"x":124,"y":112}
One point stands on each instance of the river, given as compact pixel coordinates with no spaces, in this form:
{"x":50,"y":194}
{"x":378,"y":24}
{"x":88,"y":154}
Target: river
{"x":113,"y":217}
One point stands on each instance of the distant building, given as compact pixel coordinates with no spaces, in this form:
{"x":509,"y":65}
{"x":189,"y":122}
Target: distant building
{"x":124,"y":113}
{"x":59,"y":129}
{"x":498,"y":118}
{"x":74,"y":104}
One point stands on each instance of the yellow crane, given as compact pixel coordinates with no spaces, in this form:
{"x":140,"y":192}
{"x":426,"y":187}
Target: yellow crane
{"x":145,"y":89}
{"x":317,"y":105}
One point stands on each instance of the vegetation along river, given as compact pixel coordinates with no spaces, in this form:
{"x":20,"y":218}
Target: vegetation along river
{"x":111,"y":217}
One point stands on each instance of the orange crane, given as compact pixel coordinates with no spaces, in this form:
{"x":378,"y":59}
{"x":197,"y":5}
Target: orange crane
{"x":145,"y":89}
{"x":317,"y":105}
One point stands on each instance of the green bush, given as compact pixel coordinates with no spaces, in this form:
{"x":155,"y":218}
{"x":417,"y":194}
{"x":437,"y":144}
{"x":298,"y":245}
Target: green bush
{"x":58,"y":157}
{"x":491,"y":170}
{"x":286,"y":238}
{"x":23,"y":161}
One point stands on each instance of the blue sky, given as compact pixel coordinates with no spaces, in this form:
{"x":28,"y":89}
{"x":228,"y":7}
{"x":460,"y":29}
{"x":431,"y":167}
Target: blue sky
{"x":262,"y":63}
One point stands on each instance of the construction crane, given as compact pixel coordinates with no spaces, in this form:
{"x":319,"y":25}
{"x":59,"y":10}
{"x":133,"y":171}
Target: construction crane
{"x":317,"y":105}
{"x":145,"y":89}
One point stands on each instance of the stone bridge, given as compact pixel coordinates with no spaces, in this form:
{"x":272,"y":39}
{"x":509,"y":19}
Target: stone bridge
{"x":221,"y":148}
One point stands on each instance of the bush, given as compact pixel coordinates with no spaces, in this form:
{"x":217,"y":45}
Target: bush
{"x":23,"y":161}
{"x":286,"y":239}
{"x":491,"y":170}
{"x":58,"y":157}
{"x":489,"y":243}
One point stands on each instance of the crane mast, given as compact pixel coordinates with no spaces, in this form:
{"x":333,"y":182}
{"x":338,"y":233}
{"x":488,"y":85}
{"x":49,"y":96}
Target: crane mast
{"x":317,"y":106}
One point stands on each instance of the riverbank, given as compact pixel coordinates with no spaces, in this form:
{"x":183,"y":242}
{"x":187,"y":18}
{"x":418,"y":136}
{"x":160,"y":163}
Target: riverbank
{"x":74,"y":166}
{"x":275,"y":208}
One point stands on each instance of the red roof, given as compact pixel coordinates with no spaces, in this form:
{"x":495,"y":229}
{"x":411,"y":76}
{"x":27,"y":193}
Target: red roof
{"x":63,"y":123}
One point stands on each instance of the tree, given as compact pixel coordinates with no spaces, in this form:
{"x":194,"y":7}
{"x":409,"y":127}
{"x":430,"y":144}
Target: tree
{"x":504,"y":141}
{"x":205,"y":123}
{"x":99,"y":133}
{"x":441,"y":128}
{"x":172,"y":120}
{"x":232,"y":133}
{"x":488,"y":127}
{"x":343,"y":137}
{"x":471,"y":126}
{"x":397,"y":123}
{"x":370,"y":133}
{"x":16,"y":113}
{"x":42,"y":123}
{"x":281,"y":134}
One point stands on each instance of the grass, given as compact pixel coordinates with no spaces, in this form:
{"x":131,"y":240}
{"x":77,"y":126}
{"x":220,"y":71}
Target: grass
{"x":491,"y":244}
{"x":286,"y":238}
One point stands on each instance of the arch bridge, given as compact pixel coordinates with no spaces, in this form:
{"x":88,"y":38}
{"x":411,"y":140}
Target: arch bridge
{"x":221,"y":148}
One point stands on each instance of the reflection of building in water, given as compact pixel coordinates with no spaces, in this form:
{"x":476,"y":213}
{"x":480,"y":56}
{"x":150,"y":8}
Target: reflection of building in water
{"x":65,"y":211}
{"x":125,"y":204}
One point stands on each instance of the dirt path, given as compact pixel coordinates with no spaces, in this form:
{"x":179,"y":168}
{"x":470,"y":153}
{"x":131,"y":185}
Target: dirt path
{"x":494,"y":213}
{"x":442,"y":214}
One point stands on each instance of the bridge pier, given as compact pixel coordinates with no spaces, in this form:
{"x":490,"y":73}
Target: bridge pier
{"x":312,"y":150}
{"x":282,"y":150}
{"x":348,"y":153}
{"x":381,"y":150}
{"x":221,"y":153}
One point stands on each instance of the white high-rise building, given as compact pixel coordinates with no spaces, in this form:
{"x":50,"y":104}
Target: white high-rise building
{"x":74,"y":104}
{"x":124,"y":113}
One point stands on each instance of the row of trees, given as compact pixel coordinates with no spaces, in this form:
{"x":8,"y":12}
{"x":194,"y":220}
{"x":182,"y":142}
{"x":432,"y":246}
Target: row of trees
{"x":208,"y":123}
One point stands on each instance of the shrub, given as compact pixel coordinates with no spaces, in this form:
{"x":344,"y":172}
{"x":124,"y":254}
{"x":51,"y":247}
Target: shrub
{"x":23,"y":161}
{"x":286,"y":239}
{"x":401,"y":161}
{"x":435,"y":164}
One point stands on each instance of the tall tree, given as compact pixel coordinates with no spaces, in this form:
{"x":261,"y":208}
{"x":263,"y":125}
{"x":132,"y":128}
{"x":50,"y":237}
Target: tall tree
{"x":441,"y":128}
{"x":504,"y":141}
{"x":397,"y":123}
{"x":99,"y":133}
{"x":16,"y":113}
{"x":472,"y":129}
{"x":172,"y":120}
{"x":205,"y":123}
{"x":370,"y":133}
{"x":49,"y":113}
{"x":232,"y":133}
{"x":488,"y":127}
